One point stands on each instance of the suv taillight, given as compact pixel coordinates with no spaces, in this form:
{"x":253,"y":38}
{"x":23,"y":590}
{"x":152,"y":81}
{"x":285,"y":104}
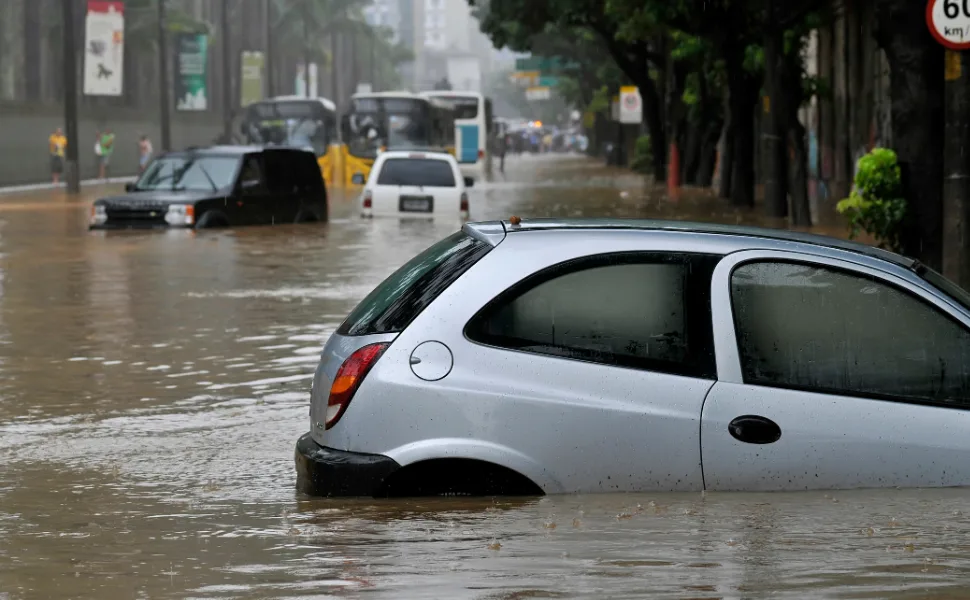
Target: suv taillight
{"x":349,"y":377}
{"x":368,"y":199}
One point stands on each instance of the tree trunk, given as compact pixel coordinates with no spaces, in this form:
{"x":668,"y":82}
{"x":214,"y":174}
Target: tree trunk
{"x":801,"y":210}
{"x":708,"y":155}
{"x":773,"y":146}
{"x":916,"y":91}
{"x":727,"y":158}
{"x":793,"y":95}
{"x":692,"y":153}
{"x":652,"y":118}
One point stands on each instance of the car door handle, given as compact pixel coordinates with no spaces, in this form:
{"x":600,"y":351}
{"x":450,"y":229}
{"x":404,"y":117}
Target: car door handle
{"x":753,"y":429}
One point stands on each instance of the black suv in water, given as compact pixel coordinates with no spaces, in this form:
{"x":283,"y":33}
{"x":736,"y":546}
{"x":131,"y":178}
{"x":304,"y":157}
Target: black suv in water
{"x":220,"y":186}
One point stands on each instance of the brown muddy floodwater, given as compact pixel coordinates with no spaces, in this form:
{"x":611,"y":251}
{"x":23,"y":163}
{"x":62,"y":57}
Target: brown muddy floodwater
{"x":152,"y":386}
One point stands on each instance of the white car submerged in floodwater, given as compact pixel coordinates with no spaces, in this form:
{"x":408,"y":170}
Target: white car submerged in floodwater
{"x":532,"y":357}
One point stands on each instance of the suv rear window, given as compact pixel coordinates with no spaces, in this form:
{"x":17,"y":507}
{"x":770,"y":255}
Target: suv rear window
{"x":409,"y":290}
{"x":424,"y":172}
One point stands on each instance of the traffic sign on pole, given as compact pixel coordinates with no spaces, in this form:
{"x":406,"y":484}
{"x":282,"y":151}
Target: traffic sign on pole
{"x":949,"y":22}
{"x":631,"y":109}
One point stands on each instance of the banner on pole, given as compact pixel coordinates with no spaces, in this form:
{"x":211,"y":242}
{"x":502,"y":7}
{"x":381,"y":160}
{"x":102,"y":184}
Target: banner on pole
{"x":191,"y":81}
{"x":104,"y":48}
{"x":251,"y":89}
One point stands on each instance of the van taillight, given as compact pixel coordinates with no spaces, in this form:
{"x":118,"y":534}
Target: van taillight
{"x":368,"y":199}
{"x":481,"y":154}
{"x":348,"y":379}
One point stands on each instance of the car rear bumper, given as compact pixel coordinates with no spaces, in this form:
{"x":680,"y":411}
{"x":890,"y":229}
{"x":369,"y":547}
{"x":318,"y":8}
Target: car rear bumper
{"x":322,"y":471}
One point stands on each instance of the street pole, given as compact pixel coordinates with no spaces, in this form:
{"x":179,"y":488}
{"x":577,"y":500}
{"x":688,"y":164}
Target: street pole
{"x":72,"y":175}
{"x":334,"y":77}
{"x":373,"y":60}
{"x":226,"y":74}
{"x":956,"y":168}
{"x":269,"y":74}
{"x":164,"y":93}
{"x":306,"y":48}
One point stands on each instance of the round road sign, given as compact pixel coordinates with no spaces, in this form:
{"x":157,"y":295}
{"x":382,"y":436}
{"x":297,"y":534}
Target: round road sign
{"x":631,"y":102}
{"x":949,"y":22}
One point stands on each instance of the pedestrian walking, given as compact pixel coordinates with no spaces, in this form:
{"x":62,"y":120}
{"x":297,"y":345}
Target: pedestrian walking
{"x":145,"y":152}
{"x":501,"y":146}
{"x":58,"y":145}
{"x":106,"y":142}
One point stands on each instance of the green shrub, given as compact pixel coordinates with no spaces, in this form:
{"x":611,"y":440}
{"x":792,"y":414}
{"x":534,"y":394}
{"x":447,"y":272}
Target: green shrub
{"x":642,"y":161}
{"x":876,"y":204}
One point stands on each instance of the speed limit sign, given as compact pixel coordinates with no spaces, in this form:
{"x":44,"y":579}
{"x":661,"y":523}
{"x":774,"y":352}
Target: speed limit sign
{"x":949,"y":22}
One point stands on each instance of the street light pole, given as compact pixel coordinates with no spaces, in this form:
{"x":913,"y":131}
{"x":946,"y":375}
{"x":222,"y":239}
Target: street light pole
{"x":164,"y":93}
{"x":72,"y":174}
{"x":373,"y":60}
{"x":306,"y":49}
{"x":270,"y":74}
{"x":226,"y":74}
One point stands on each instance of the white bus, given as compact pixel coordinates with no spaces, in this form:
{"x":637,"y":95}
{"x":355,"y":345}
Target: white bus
{"x":473,"y":130}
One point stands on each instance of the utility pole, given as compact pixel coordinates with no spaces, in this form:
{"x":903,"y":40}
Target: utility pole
{"x":226,"y":74}
{"x":72,"y":174}
{"x":956,"y":168}
{"x":306,"y":48}
{"x":334,"y":75}
{"x":373,"y":60}
{"x":270,"y":85}
{"x":164,"y":93}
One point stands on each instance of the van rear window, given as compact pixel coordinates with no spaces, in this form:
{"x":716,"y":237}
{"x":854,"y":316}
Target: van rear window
{"x":400,"y":298}
{"x":424,"y":172}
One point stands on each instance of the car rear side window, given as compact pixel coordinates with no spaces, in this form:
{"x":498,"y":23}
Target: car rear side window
{"x":825,"y":330}
{"x":424,"y":172}
{"x":646,"y":311}
{"x":401,"y":297}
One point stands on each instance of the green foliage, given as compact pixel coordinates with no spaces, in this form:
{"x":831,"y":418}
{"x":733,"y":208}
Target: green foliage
{"x":642,"y":161}
{"x":876,"y":204}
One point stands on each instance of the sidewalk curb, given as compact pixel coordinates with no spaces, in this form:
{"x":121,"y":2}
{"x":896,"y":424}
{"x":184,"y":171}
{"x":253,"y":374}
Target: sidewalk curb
{"x":42,"y":187}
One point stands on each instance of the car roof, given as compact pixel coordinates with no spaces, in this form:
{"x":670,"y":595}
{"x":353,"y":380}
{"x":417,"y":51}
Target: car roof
{"x":233,"y":150}
{"x":411,"y":154}
{"x":494,"y":230}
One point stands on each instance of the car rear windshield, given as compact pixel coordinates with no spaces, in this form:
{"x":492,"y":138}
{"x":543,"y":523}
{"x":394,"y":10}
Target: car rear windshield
{"x":424,"y":172}
{"x":400,"y":298}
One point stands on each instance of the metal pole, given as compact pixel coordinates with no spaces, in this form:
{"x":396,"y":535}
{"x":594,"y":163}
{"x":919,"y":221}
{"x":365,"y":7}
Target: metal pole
{"x":334,"y":76}
{"x":164,"y":93}
{"x":306,"y":49}
{"x":373,"y":60}
{"x":72,"y":175}
{"x":956,"y":165}
{"x":269,"y":72}
{"x":226,"y":74}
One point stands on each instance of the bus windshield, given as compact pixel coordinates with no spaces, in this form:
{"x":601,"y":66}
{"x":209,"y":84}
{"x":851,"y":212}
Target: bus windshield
{"x":376,"y":123}
{"x":299,"y":124}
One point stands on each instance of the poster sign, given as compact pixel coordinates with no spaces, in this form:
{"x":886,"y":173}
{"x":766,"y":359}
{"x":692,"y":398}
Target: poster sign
{"x":252,"y":77}
{"x":949,"y":23}
{"x":191,"y":80}
{"x":104,"y":48}
{"x":631,"y":107}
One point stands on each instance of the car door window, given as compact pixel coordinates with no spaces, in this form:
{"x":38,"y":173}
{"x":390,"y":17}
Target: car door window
{"x":629,"y":310}
{"x":251,"y":179}
{"x":826,"y":330}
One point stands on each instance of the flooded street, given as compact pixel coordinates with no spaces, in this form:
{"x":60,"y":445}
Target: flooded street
{"x":153,"y":385}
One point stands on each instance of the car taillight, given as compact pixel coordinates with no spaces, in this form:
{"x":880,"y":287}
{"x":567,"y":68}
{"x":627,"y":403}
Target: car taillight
{"x":368,"y":199}
{"x":348,"y":379}
{"x":464,"y":203}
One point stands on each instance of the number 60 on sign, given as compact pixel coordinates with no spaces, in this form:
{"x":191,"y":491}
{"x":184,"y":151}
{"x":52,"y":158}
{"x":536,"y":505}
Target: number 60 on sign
{"x":949,"y":22}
